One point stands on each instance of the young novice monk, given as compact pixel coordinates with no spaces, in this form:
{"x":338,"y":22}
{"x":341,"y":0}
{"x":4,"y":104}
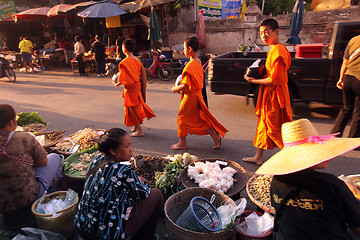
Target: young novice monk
{"x":132,"y":75}
{"x":273,"y":105}
{"x":194,"y":117}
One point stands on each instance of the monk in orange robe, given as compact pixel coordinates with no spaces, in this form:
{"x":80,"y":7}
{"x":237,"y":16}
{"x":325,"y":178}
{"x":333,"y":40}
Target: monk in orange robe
{"x":132,"y":75}
{"x":273,"y":106}
{"x":194,"y":117}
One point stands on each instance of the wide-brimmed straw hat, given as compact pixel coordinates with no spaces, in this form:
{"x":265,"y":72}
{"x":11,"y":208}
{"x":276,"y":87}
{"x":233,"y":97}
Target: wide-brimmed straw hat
{"x":305,"y":148}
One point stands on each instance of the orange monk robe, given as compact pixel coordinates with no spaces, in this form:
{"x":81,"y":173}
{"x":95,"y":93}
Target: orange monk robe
{"x":273,"y":106}
{"x":194,"y":117}
{"x":135,"y":107}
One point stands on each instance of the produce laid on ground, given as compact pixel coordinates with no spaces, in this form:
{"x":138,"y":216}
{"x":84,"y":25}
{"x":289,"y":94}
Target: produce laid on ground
{"x":50,"y":138}
{"x":30,"y":122}
{"x":151,"y":164}
{"x":210,"y":175}
{"x":76,"y":164}
{"x":258,"y":189}
{"x":82,"y":139}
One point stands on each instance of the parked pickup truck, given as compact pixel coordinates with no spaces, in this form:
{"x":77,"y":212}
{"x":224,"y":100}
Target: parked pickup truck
{"x":310,"y":79}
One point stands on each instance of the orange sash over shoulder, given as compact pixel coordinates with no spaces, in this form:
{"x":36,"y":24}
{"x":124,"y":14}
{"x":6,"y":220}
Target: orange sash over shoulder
{"x":273,"y":106}
{"x":135,"y":107}
{"x":194,"y":117}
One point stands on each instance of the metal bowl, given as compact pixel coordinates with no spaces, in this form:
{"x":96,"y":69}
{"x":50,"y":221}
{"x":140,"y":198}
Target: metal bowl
{"x":256,"y":72}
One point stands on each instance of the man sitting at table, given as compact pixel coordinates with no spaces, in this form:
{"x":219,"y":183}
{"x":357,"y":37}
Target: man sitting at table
{"x":26,"y":171}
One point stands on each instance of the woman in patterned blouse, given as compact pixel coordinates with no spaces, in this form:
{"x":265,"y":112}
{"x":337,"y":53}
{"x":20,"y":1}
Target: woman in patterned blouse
{"x":116,"y":203}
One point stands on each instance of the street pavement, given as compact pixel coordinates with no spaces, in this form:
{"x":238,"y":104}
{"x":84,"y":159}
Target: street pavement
{"x":71,"y":102}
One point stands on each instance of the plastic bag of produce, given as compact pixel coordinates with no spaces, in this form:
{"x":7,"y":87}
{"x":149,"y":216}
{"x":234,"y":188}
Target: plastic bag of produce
{"x":228,"y":213}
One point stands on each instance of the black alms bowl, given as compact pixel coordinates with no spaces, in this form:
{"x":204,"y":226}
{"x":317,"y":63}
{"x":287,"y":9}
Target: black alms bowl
{"x":256,"y":72}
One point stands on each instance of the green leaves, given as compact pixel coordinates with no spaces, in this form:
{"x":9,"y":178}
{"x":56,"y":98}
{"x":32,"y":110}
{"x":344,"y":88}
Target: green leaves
{"x":26,"y":118}
{"x":168,"y":180}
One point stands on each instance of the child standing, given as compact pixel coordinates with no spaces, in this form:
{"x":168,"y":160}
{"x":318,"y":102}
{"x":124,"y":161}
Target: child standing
{"x":132,"y":75}
{"x":194,"y":117}
{"x":273,"y":106}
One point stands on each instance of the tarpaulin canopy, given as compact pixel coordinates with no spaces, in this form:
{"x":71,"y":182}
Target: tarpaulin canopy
{"x":33,"y":14}
{"x":136,"y":5}
{"x":296,"y":23}
{"x":58,"y":9}
{"x":73,"y":9}
{"x":101,"y":10}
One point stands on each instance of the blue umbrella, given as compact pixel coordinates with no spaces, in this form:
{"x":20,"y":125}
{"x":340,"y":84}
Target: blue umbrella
{"x":101,"y":10}
{"x":154,"y":33}
{"x":296,"y":22}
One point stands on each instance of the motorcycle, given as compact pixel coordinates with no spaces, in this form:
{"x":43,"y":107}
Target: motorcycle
{"x":7,"y":70}
{"x":163,"y":70}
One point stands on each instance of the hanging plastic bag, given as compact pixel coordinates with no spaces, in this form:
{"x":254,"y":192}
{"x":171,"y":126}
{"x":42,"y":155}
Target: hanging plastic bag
{"x":229,"y":212}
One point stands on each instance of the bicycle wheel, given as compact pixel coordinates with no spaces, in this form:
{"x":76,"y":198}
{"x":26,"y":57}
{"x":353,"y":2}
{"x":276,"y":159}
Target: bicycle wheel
{"x":165,"y":73}
{"x":10,"y":74}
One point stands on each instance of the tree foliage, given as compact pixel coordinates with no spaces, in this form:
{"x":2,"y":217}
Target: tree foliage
{"x":276,"y":7}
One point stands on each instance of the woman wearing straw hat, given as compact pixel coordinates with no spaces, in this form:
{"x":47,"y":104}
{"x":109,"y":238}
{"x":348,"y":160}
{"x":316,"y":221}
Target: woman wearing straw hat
{"x":310,"y":204}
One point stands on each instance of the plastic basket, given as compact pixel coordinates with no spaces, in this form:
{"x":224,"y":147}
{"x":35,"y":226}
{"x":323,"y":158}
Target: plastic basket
{"x":242,"y":236}
{"x":200,"y":216}
{"x":62,"y":224}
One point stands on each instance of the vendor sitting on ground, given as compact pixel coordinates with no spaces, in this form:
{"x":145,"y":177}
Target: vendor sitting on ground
{"x":116,"y":203}
{"x":310,"y":204}
{"x":26,"y":171}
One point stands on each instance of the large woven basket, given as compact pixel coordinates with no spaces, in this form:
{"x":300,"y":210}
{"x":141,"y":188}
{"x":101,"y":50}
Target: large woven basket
{"x":178,"y":203}
{"x":259,"y":202}
{"x":241,"y":177}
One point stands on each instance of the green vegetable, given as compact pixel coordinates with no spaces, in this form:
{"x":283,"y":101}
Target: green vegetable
{"x":168,"y":180}
{"x":26,"y":118}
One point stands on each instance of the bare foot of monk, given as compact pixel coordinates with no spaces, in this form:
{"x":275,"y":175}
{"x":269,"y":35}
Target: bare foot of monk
{"x":255,"y":160}
{"x":137,"y":134}
{"x":133,"y":130}
{"x":217,"y":142}
{"x":178,"y":146}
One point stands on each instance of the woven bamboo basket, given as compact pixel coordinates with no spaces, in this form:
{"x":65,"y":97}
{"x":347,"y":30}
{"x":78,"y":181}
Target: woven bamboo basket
{"x":259,"y":202}
{"x":178,"y":203}
{"x":62,"y":224}
{"x":47,"y":142}
{"x":241,"y":177}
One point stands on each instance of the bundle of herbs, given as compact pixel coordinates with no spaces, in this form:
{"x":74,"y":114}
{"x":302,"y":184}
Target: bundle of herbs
{"x":168,"y":180}
{"x":27,"y":118}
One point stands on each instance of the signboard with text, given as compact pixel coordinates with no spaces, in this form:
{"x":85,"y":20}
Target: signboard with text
{"x":7,"y":9}
{"x":217,"y":9}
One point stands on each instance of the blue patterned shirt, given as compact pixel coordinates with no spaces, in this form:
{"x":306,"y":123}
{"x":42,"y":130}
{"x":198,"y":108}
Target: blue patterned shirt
{"x":109,"y":195}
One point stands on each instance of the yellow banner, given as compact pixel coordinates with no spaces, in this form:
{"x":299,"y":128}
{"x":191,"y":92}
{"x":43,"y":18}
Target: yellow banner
{"x":113,"y":22}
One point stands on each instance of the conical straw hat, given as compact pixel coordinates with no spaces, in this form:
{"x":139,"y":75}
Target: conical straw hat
{"x":305,"y":148}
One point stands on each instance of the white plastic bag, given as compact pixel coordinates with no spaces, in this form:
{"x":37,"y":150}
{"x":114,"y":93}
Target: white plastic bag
{"x":38,"y":234}
{"x":228,"y":212}
{"x":256,"y":226}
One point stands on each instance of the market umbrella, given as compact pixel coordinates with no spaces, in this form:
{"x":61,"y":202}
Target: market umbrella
{"x":154,"y":29}
{"x":200,"y":30}
{"x":58,"y":9}
{"x":101,"y":10}
{"x":33,"y":14}
{"x":73,"y":9}
{"x":296,"y":22}
{"x":135,"y":6}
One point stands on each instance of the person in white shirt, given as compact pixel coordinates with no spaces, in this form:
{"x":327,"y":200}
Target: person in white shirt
{"x":79,"y":50}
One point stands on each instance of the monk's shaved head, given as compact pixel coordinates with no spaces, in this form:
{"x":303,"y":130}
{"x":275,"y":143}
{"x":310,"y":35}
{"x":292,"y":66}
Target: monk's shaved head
{"x":192,"y":42}
{"x":129,"y":45}
{"x":272,"y":23}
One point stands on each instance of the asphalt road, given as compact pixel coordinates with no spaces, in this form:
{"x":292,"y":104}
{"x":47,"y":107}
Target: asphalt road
{"x":72,"y":102}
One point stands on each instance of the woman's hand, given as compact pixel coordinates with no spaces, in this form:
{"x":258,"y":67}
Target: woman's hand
{"x":143,"y":179}
{"x":174,"y":89}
